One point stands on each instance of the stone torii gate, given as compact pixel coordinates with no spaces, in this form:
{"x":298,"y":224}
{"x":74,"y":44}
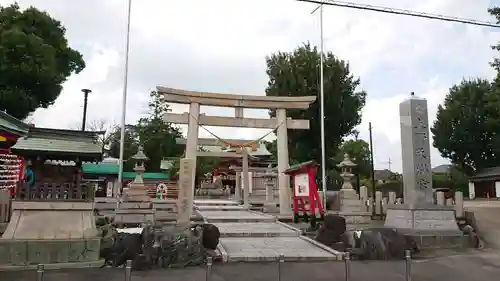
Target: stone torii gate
{"x":239,"y":102}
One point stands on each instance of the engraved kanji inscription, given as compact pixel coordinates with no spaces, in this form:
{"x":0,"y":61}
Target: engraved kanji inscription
{"x":420,"y":109}
{"x":420,"y":152}
{"x":422,"y":169}
{"x":422,"y":183}
{"x":420,"y":124}
{"x":421,"y":136}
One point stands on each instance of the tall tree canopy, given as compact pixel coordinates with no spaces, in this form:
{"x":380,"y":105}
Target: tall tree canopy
{"x":157,"y":137}
{"x":35,"y":60}
{"x":297,"y":74}
{"x":359,"y":152}
{"x":467,"y":126}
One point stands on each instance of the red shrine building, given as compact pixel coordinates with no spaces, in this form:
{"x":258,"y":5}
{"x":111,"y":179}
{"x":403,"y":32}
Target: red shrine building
{"x":11,"y":166}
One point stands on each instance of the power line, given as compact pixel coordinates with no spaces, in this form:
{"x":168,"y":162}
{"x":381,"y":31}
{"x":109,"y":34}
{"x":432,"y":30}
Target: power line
{"x":403,"y":12}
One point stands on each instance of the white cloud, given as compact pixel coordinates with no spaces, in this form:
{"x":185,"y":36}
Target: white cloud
{"x":220,"y":46}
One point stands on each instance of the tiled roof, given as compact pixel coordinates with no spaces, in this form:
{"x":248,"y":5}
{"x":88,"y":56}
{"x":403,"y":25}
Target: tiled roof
{"x":60,"y":141}
{"x":442,"y":169}
{"x":493,"y":172}
{"x":12,"y":125}
{"x":58,"y":145}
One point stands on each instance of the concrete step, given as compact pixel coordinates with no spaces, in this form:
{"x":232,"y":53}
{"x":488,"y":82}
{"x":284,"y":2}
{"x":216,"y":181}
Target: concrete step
{"x":235,"y":216}
{"x":259,"y":229}
{"x":219,"y":207}
{"x":211,"y":202}
{"x":250,"y":249}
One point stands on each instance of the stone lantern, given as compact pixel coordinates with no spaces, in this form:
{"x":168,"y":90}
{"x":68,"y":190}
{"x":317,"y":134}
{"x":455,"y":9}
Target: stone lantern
{"x":346,"y":167}
{"x":351,"y":207}
{"x":137,"y":191}
{"x":139,"y":168}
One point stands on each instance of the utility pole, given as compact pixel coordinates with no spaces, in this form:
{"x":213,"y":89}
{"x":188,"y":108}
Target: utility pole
{"x":322,"y":104}
{"x":85,"y":101}
{"x":389,"y":162}
{"x":373,"y":168}
{"x":124,"y":100}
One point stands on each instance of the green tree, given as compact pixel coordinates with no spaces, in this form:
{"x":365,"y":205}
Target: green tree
{"x":467,"y":125}
{"x":35,"y":60}
{"x":297,"y":74}
{"x":157,"y":136}
{"x":495,"y":11}
{"x":359,"y":152}
{"x":130,"y":145}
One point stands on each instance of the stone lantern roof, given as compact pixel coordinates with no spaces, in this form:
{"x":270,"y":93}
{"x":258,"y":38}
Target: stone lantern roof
{"x":346,"y":162}
{"x":140,"y":155}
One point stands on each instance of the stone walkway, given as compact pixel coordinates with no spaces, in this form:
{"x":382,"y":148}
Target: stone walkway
{"x":253,"y":236}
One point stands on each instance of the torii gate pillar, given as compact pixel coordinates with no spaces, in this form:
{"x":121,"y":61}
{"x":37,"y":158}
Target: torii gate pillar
{"x":283,"y":179}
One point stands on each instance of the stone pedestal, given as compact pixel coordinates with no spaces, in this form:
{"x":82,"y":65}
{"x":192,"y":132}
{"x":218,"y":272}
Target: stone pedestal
{"x":352,"y":209}
{"x":136,"y":192}
{"x":430,"y":226}
{"x":50,"y":232}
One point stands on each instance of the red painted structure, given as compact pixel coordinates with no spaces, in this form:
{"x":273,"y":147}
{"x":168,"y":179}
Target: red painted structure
{"x":305,"y":192}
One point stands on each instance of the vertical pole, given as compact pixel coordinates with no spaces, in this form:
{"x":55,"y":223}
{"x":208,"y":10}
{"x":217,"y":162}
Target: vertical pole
{"x":372,"y":166}
{"x":39,"y":272}
{"x":128,"y":270}
{"x":85,"y":102}
{"x":322,"y":104}
{"x":246,"y":179}
{"x":124,"y":101}
{"x":281,"y":260}
{"x":347,"y":262}
{"x":408,"y":264}
{"x":209,"y":269}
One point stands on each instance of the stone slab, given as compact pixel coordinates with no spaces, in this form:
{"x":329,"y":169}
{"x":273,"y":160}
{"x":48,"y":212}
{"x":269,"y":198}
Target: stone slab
{"x":219,"y":207}
{"x":26,"y":252}
{"x":250,"y":249}
{"x":200,"y":202}
{"x":51,"y":224}
{"x":259,"y":229}
{"x":430,"y":218}
{"x":235,"y":216}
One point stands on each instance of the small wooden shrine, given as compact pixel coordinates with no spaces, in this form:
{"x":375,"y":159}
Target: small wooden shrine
{"x":52,"y":216}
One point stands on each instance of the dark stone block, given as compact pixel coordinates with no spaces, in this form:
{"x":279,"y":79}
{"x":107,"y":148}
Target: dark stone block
{"x":332,"y":233}
{"x":384,"y":244}
{"x":211,"y":235}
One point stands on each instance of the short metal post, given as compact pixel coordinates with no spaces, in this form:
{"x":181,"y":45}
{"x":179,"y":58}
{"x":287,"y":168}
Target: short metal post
{"x":281,"y":260}
{"x":39,"y":272}
{"x":128,"y":270}
{"x":209,"y":269}
{"x":408,"y":264}
{"x":347,"y":262}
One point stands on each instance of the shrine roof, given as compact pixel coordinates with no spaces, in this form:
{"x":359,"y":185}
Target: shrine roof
{"x":60,"y":144}
{"x":300,"y":166}
{"x":112,"y":169}
{"x":492,"y":173}
{"x":12,"y":125}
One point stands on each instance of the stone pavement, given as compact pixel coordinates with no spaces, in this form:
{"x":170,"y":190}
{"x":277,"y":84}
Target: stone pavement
{"x":253,"y":236}
{"x":484,"y":266}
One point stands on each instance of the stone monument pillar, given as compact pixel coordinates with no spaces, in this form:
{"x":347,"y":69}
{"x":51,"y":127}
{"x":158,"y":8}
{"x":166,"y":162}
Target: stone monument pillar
{"x":418,"y":214}
{"x":351,"y":207}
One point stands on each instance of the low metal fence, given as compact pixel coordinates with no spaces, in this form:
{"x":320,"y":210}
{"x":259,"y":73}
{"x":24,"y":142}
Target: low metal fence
{"x":274,"y":271}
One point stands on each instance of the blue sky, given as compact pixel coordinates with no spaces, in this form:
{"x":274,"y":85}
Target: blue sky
{"x":220,"y":46}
